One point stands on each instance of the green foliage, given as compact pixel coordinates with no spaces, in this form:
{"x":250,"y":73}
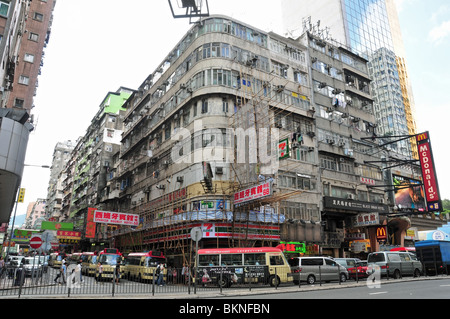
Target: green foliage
{"x":446,"y":206}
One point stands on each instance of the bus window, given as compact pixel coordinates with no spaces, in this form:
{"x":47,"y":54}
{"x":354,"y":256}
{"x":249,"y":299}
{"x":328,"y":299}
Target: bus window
{"x":232,"y":260}
{"x":254,"y":259}
{"x":276,"y":260}
{"x":208,"y":260}
{"x":153,"y":262}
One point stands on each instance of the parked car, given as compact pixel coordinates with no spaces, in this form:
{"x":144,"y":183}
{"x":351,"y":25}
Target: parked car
{"x":347,"y":262}
{"x":395,"y":264}
{"x":32,"y":266}
{"x":360,"y":270}
{"x":312,"y":269}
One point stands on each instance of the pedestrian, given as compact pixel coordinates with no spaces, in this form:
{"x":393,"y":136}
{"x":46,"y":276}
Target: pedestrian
{"x":100,"y":272}
{"x":185,"y":273}
{"x":63,"y":272}
{"x":79,"y":269}
{"x":160,"y":274}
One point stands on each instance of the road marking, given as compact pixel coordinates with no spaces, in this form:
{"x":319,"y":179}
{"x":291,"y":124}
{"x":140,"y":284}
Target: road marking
{"x":378,"y":293}
{"x":444,"y":286}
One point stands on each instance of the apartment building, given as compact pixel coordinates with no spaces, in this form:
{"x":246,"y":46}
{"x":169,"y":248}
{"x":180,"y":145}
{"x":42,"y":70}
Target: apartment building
{"x":61,"y":155}
{"x":251,"y":136}
{"x":24,"y":31}
{"x":89,"y":166}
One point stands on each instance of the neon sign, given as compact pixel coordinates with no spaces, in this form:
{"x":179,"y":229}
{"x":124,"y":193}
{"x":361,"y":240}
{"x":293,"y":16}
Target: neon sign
{"x":292,"y":247}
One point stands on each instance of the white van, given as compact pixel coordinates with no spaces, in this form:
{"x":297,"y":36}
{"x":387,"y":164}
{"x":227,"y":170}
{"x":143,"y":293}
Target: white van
{"x":395,"y":264}
{"x":312,"y":269}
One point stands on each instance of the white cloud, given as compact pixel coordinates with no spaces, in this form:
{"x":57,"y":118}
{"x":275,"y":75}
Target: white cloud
{"x":437,"y":34}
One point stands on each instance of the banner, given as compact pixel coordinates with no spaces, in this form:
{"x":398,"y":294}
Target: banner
{"x":252,"y":193}
{"x":430,"y":184}
{"x":116,"y":218}
{"x":56,"y":226}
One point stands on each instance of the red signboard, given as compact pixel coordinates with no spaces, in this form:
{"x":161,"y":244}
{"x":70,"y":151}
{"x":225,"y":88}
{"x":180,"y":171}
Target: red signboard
{"x":430,"y":184}
{"x":255,"y":192}
{"x":116,"y":218}
{"x":90,"y":225}
{"x":381,"y":233}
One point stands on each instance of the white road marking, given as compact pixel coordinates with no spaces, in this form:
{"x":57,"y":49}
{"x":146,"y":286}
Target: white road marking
{"x":378,"y":293}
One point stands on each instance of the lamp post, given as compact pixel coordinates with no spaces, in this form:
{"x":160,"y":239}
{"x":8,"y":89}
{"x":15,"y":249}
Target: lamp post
{"x":15,"y":212}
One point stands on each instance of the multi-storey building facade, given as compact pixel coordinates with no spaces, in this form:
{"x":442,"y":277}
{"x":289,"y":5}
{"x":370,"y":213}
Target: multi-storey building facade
{"x":372,"y":30}
{"x":88,"y":169}
{"x":254,"y":137}
{"x":61,"y":155}
{"x":183,"y":162}
{"x":24,"y":31}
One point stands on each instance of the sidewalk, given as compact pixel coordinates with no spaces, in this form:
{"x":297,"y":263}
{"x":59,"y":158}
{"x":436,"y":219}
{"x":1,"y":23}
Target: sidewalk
{"x":228,"y":292}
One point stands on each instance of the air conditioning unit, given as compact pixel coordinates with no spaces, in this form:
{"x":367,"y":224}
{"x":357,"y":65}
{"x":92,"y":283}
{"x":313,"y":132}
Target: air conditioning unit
{"x":219,"y":170}
{"x":280,"y":88}
{"x":351,"y":196}
{"x":310,"y":149}
{"x":161,"y":186}
{"x":180,"y":179}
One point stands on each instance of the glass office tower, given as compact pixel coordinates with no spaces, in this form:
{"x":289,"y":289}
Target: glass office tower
{"x":371,"y":29}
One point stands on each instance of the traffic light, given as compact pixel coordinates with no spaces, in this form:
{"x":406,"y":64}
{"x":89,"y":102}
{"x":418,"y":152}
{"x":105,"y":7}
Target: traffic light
{"x":21,"y":195}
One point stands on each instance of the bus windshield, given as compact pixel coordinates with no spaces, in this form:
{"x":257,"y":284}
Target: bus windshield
{"x":109,"y":259}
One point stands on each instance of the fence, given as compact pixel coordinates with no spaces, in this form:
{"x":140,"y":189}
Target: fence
{"x":46,"y":282}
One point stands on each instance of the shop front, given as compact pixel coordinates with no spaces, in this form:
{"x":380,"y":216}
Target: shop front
{"x":348,"y":226}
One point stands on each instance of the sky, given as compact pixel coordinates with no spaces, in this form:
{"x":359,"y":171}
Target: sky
{"x":98,"y":46}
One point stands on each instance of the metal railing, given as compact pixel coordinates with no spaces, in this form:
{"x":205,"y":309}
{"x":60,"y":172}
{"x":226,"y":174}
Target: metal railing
{"x":17,"y":282}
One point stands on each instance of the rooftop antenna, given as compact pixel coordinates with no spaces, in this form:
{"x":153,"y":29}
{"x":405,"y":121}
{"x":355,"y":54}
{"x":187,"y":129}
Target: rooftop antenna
{"x":189,"y":9}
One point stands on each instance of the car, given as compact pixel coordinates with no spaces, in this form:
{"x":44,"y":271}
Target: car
{"x":312,"y":269}
{"x":360,"y":270}
{"x":395,"y":264}
{"x":347,"y":262}
{"x":32,"y":266}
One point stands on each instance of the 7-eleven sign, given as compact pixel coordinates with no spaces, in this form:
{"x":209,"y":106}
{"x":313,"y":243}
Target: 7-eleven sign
{"x":209,"y":230}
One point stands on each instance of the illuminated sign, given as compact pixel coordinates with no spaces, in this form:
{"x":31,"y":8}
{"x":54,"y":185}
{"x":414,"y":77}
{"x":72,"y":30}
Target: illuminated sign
{"x":292,"y":247}
{"x":381,"y":233}
{"x":408,"y":192}
{"x":429,"y":178}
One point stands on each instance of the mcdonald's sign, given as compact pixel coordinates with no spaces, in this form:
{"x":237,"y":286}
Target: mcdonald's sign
{"x":381,"y":233}
{"x":430,"y":183}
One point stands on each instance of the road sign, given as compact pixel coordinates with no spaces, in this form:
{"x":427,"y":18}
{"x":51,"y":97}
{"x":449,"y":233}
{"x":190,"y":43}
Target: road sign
{"x":196,"y":234}
{"x":35,"y":242}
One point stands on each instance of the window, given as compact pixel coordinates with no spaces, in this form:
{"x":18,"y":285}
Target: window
{"x":225,"y":105}
{"x":276,"y":260}
{"x":33,"y":36}
{"x":204,"y":106}
{"x":24,"y":80}
{"x":4,"y":8}
{"x":19,"y":103}
{"x":29,"y":58}
{"x":38,"y":16}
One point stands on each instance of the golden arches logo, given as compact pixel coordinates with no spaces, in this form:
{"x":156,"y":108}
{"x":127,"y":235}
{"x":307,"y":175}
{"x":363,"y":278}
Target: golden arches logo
{"x":381,"y":232}
{"x":422,"y":137}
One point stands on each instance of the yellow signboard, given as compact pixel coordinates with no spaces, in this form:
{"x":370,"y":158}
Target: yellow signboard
{"x":21,"y":195}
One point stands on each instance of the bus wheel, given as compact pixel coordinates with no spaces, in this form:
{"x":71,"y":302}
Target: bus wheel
{"x":274,"y":281}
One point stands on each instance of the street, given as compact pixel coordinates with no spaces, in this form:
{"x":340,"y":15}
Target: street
{"x":422,"y":289}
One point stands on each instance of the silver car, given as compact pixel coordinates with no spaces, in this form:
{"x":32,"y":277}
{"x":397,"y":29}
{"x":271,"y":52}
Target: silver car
{"x":312,"y":269}
{"x":395,"y":264}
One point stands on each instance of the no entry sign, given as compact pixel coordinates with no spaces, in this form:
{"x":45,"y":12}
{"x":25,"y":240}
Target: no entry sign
{"x":35,"y":242}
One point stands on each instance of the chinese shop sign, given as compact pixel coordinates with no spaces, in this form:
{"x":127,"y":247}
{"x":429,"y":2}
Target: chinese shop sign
{"x":105,"y":217}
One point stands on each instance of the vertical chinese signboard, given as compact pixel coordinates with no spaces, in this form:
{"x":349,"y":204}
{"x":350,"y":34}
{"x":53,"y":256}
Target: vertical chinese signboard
{"x":430,"y":184}
{"x":90,"y":225}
